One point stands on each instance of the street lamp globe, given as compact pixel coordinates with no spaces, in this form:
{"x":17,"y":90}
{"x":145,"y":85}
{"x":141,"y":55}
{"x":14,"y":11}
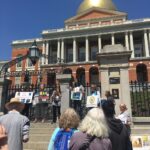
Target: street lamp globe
{"x":34,"y":53}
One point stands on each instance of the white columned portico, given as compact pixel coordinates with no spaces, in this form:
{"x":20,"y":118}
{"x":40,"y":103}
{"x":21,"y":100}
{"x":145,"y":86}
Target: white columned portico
{"x":127,"y":40}
{"x":58,"y":49}
{"x":146,"y":43}
{"x":87,"y":49}
{"x":74,"y":50}
{"x":131,"y":44}
{"x":112,"y":39}
{"x":46,"y":52}
{"x":43,"y":53}
{"x":62,"y":49}
{"x":99,"y":43}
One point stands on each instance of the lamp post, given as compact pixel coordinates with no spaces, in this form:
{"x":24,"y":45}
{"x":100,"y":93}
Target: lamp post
{"x":33,"y":54}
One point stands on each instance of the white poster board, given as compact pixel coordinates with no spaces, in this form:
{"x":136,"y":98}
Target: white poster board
{"x":92,"y":101}
{"x":25,"y":97}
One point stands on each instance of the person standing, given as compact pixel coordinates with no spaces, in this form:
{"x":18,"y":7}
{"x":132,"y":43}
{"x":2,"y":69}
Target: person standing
{"x":41,"y":105}
{"x":56,"y":104}
{"x":93,"y":133}
{"x":118,"y":132}
{"x":78,"y":90}
{"x":68,"y":123}
{"x":125,"y":117}
{"x":16,"y":125}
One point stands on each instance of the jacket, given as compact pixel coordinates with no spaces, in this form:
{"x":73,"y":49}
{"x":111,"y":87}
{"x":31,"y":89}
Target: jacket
{"x":118,"y":135}
{"x":82,"y":141}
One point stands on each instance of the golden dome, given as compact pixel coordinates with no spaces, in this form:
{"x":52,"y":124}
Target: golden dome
{"x":105,"y":4}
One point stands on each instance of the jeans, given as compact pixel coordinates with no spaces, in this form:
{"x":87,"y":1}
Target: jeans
{"x":56,"y":113}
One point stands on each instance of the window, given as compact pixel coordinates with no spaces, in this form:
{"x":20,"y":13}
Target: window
{"x":93,"y":52}
{"x":81,"y":53}
{"x":141,"y":71}
{"x":138,"y":50}
{"x":69,"y":54}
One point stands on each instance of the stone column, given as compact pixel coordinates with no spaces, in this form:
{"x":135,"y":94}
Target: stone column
{"x":74,"y":51}
{"x":43,"y":53}
{"x":87,"y":49}
{"x":64,"y":85}
{"x":46,"y":53}
{"x":62,"y":49}
{"x":58,"y":49}
{"x":112,"y":39}
{"x":132,"y":45}
{"x":125,"y":90}
{"x":146,"y":43}
{"x":99,"y":43}
{"x":113,"y":61}
{"x":104,"y":81}
{"x":127,"y":40}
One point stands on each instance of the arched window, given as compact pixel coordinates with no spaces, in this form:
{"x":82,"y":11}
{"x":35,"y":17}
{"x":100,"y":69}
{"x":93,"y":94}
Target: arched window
{"x":51,"y":78}
{"x":67,"y":71}
{"x":141,"y":72}
{"x":94,"y":75}
{"x":80,"y":75}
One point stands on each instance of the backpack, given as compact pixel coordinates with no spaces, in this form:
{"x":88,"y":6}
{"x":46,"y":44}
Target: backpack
{"x":62,"y":139}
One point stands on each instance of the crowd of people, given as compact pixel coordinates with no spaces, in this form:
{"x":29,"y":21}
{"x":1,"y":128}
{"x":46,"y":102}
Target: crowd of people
{"x":100,"y":129}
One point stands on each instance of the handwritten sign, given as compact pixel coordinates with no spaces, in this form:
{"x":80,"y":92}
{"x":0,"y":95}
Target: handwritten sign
{"x":25,"y":97}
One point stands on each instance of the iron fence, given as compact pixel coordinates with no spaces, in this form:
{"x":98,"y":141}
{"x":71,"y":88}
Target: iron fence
{"x":30,"y":88}
{"x":140,"y":98}
{"x":82,"y":105}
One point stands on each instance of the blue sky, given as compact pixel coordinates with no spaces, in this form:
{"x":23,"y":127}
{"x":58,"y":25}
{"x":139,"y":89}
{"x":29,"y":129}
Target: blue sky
{"x":25,"y":19}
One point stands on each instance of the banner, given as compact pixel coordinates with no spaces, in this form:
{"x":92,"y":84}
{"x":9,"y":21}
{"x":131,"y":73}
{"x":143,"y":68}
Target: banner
{"x":92,"y":101}
{"x":44,"y":96}
{"x":25,"y":97}
{"x":141,"y":142}
{"x":76,"y":95}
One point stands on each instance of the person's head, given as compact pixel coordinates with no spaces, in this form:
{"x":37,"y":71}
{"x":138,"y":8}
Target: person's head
{"x":14,"y":104}
{"x":42,"y":86}
{"x":94,"y":123}
{"x":108,"y":107}
{"x":122,"y":107}
{"x":107,"y":93}
{"x":93,"y":87}
{"x":69,"y":119}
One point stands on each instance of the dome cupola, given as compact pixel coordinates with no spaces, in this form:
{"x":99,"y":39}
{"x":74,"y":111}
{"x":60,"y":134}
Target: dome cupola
{"x":104,"y":4}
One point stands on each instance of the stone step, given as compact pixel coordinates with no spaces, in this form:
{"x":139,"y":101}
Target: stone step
{"x":41,"y":130}
{"x":138,"y":130}
{"x":40,"y":137}
{"x":36,"y":145}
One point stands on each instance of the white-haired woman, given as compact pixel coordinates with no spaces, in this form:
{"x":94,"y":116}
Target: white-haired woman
{"x":93,"y":133}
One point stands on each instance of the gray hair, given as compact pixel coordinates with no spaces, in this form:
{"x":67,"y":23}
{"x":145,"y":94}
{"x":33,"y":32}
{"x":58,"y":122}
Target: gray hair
{"x":95,"y":123}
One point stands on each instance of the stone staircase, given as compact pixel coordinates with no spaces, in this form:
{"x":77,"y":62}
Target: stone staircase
{"x":40,"y":134}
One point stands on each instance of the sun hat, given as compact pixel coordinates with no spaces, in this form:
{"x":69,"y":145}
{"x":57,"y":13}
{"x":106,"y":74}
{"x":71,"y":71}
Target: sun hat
{"x":15,"y":101}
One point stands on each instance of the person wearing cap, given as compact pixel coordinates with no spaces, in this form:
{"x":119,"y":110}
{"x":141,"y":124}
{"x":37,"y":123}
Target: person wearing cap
{"x":16,"y":125}
{"x":118,"y":132}
{"x":125,"y":116}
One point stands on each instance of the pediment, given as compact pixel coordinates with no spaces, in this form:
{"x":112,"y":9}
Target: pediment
{"x":95,"y":13}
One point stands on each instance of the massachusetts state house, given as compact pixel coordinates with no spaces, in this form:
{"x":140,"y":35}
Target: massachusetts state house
{"x":74,"y":48}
